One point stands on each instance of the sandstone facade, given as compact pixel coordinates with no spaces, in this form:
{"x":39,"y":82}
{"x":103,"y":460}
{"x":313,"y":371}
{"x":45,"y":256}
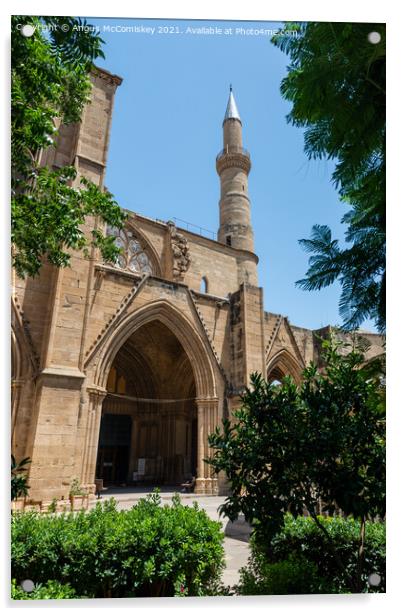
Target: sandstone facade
{"x":121,"y":371}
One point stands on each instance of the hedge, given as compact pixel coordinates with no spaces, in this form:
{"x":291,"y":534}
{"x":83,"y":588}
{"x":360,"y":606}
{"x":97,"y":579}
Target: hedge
{"x":148,"y":550}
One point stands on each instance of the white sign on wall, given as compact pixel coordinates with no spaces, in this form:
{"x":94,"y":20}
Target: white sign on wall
{"x":141,"y":466}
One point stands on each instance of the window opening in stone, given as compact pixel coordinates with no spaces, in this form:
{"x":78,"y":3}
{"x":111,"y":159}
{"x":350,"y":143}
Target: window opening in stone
{"x":133,"y":257}
{"x":204,"y":285}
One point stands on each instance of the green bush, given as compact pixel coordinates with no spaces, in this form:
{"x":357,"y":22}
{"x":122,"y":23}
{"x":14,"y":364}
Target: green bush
{"x":50,"y":590}
{"x":293,"y":576}
{"x":148,"y":550}
{"x":302,"y":547}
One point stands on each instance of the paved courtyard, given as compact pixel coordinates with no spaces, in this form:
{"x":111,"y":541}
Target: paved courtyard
{"x":236,"y":534}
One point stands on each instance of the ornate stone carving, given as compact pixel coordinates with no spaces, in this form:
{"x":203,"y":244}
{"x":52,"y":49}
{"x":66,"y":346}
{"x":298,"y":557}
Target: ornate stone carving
{"x":180,"y":251}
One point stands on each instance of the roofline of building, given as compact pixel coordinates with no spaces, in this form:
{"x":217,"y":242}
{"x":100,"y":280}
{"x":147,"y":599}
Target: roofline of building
{"x":210,"y":242}
{"x":359,"y":332}
{"x":102,"y":72}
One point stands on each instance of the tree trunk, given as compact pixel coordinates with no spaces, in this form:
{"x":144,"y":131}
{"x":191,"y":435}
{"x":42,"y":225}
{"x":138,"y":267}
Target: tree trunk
{"x":338,"y":560}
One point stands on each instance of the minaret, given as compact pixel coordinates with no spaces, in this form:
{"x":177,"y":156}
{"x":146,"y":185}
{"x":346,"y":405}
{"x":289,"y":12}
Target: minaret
{"x":233,"y":166}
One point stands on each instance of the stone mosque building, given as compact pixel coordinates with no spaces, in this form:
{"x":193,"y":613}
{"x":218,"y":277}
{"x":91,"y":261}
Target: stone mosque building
{"x":120,"y":371}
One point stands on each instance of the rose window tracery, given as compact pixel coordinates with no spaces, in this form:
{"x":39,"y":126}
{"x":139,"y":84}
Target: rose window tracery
{"x":133,"y":257}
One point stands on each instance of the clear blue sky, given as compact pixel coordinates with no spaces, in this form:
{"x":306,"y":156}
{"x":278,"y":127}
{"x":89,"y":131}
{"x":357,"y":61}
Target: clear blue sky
{"x":167,"y":130}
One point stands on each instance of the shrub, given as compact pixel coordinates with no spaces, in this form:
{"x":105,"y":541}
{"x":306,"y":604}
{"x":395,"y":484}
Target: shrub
{"x":295,"y":448}
{"x":302,"y":544}
{"x":295,"y":575}
{"x":148,"y":550}
{"x":50,"y":590}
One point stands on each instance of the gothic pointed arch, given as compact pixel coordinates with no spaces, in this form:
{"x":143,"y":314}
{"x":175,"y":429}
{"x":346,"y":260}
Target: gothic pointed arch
{"x":24,"y":369}
{"x":16,"y":356}
{"x":191,"y":341}
{"x":284,"y":364}
{"x":24,"y":358}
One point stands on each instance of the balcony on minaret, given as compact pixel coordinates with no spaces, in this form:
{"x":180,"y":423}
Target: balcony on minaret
{"x":229,"y":149}
{"x":231,"y":156}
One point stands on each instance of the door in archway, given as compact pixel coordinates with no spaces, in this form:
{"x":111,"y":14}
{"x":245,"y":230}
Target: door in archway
{"x":151,"y":383}
{"x":114,"y":448}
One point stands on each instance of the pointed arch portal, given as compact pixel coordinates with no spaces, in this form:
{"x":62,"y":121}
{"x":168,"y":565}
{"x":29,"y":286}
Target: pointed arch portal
{"x":159,"y":404}
{"x":282,"y":364}
{"x":148,"y":430}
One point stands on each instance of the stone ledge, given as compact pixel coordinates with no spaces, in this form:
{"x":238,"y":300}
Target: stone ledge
{"x":58,"y":371}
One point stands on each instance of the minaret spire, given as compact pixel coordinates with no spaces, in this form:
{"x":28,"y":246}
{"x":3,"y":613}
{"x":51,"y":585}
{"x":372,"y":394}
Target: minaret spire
{"x":231,"y":108}
{"x":233,"y":166}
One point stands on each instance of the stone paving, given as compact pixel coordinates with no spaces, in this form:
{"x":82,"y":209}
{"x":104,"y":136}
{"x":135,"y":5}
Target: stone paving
{"x":236,"y":534}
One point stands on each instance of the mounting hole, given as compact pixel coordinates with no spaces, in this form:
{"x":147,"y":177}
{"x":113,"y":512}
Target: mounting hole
{"x":27,"y":30}
{"x":374,"y":579}
{"x":27,"y":585}
{"x":374,"y":38}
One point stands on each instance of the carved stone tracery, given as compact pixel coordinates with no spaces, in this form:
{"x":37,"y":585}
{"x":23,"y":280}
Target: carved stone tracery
{"x":133,"y":257}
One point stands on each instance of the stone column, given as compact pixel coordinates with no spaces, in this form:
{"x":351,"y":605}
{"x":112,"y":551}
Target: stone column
{"x":207,"y":417}
{"x":91,"y":437}
{"x":16,"y":387}
{"x":133,"y":456}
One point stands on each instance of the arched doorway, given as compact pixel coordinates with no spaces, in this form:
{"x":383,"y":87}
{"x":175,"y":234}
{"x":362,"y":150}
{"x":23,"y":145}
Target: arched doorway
{"x":148,"y":431}
{"x":283,"y":364}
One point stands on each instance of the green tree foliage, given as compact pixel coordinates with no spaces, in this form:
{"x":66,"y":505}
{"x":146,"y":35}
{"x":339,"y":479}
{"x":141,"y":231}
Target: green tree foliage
{"x":147,"y":551}
{"x":292,"y":448}
{"x":19,"y":480}
{"x":49,"y":83}
{"x":336,"y":84}
{"x":299,"y":561}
